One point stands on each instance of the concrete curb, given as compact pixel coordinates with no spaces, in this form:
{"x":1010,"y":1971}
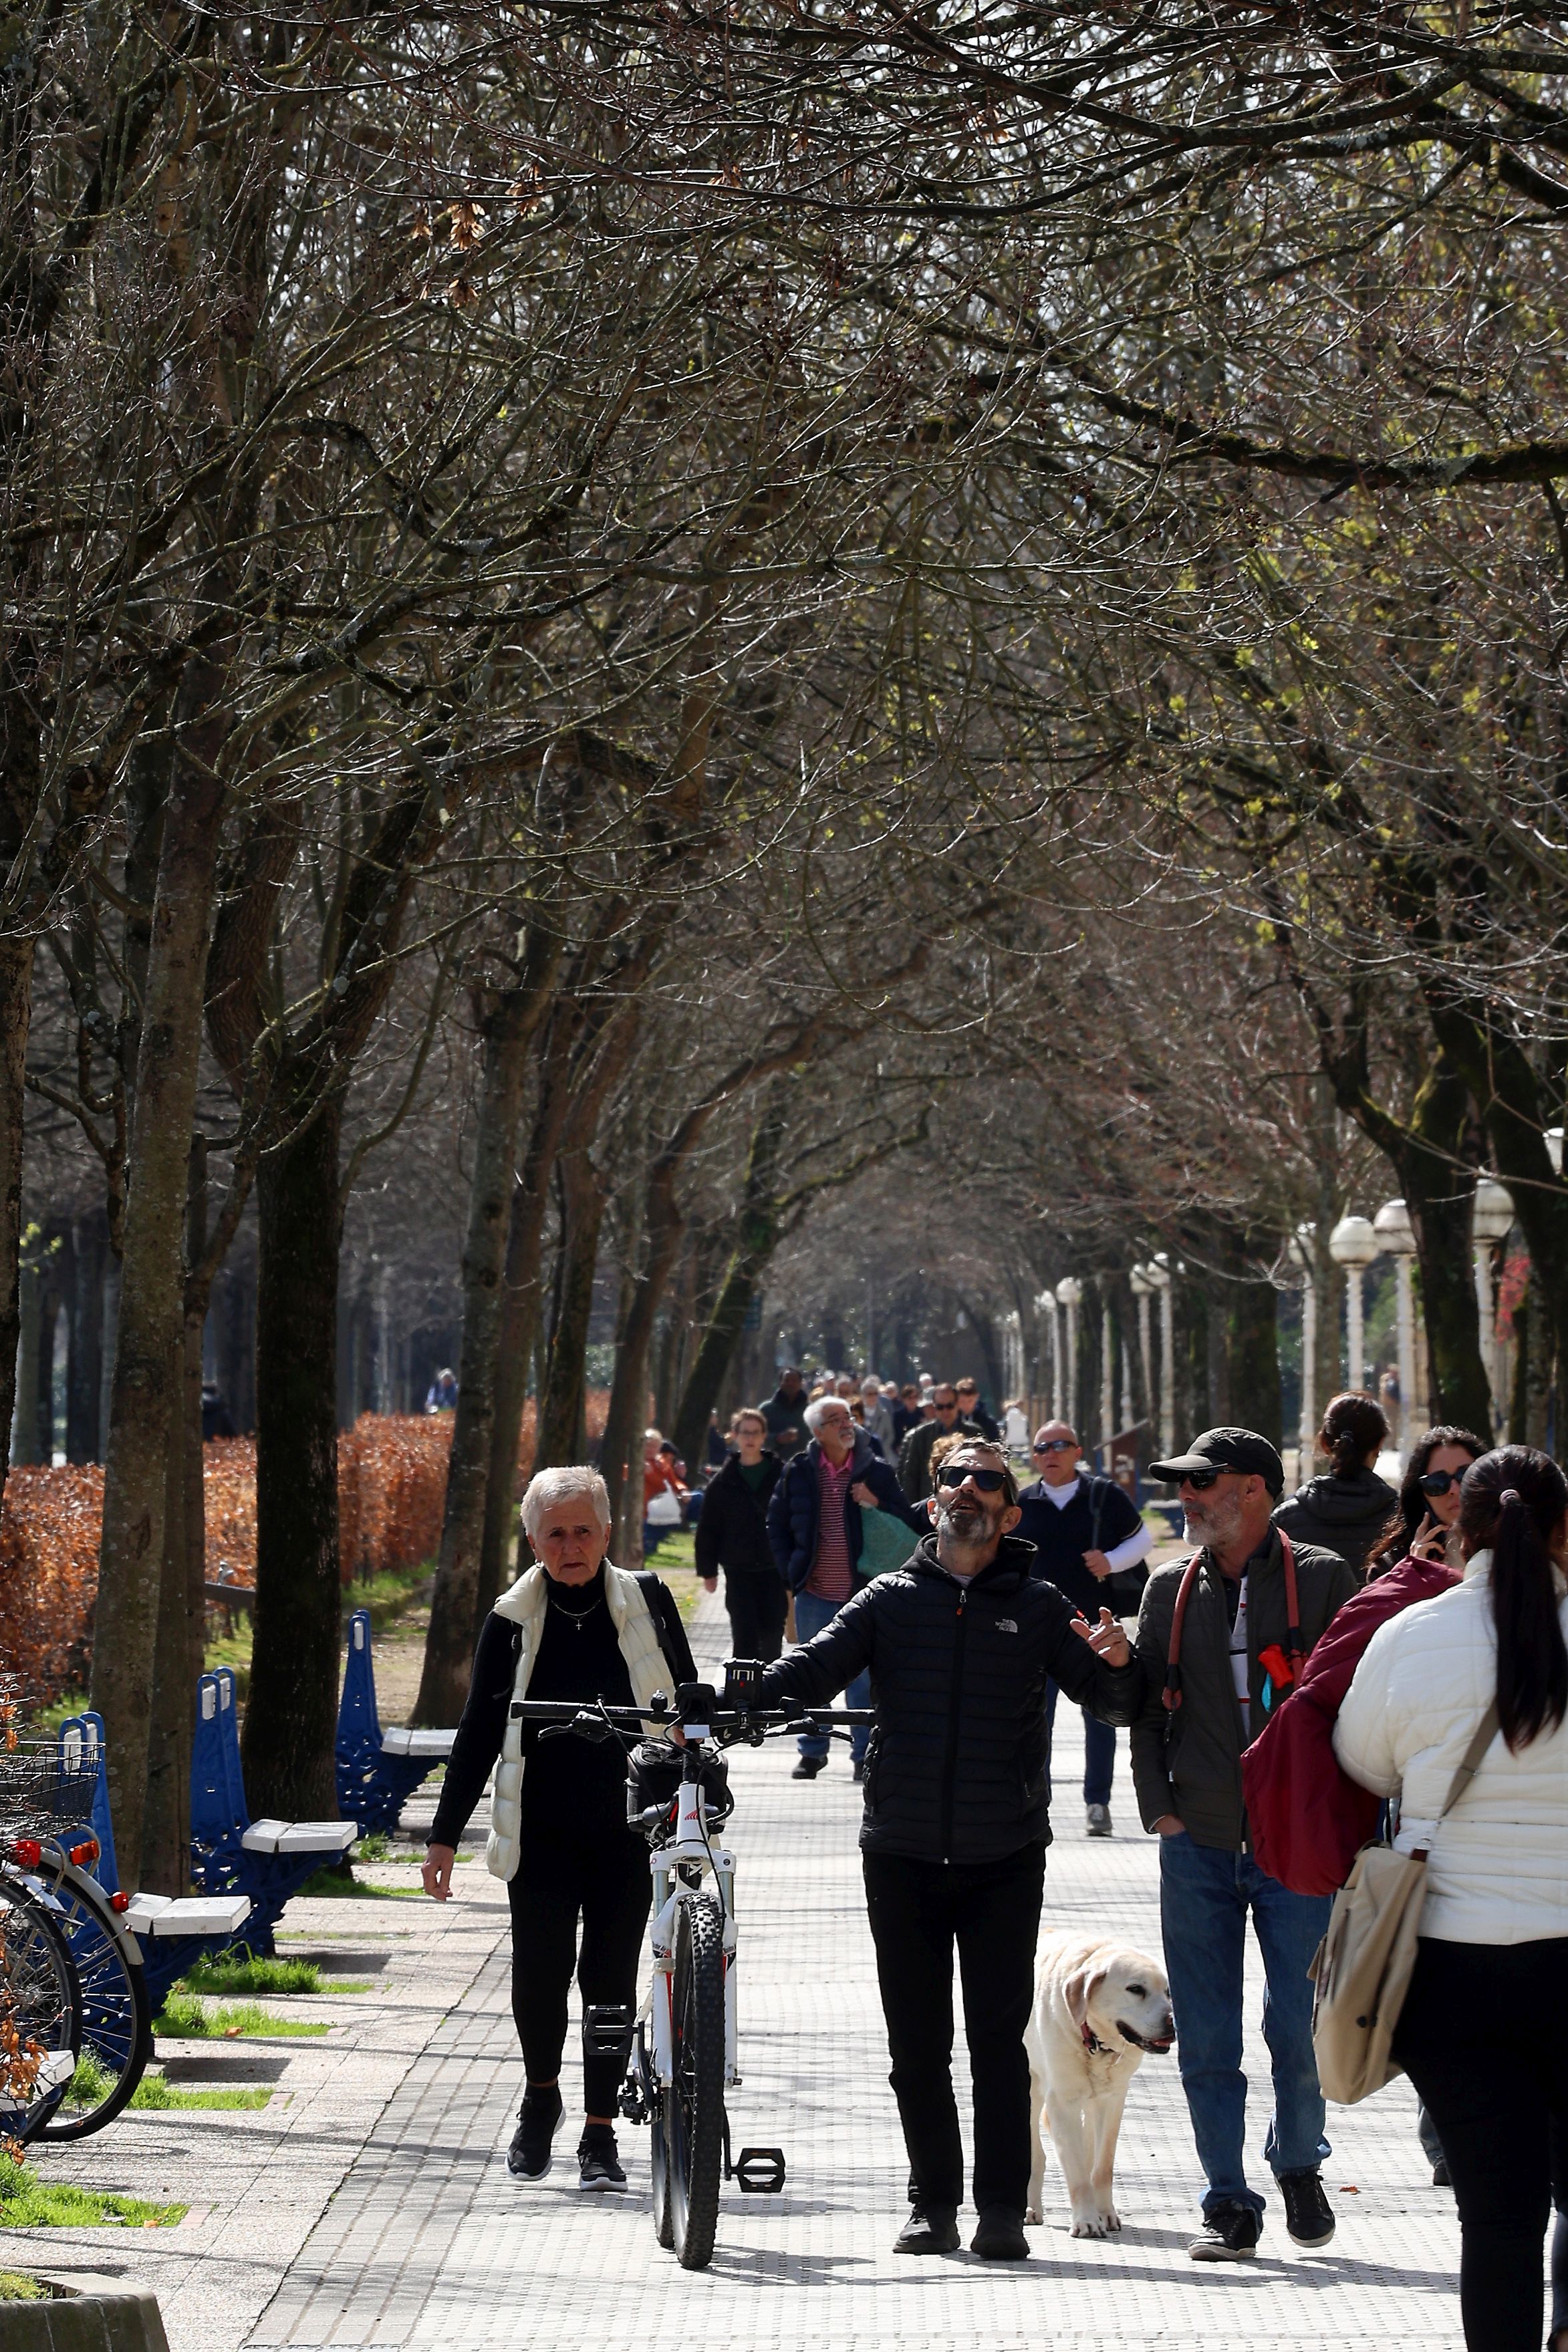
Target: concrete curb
{"x":84,"y":2323}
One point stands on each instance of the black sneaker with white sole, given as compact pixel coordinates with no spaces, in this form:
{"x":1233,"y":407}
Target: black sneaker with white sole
{"x":930,"y":2230}
{"x":1231,"y":2232}
{"x":808,"y":1768}
{"x":538,"y":2121}
{"x":1309,"y":2216}
{"x":598,"y":2166}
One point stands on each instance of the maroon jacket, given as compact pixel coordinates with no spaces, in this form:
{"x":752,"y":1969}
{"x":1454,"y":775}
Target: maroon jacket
{"x":1308,"y":1820}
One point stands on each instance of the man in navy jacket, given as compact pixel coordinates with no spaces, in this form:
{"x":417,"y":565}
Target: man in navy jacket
{"x":818,"y":1535}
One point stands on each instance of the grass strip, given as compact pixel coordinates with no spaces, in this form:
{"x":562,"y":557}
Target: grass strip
{"x":28,"y":2203}
{"x":242,"y":1972}
{"x":185,"y":2017}
{"x":154,"y":2092}
{"x":15,"y":2286}
{"x":342,"y":1885}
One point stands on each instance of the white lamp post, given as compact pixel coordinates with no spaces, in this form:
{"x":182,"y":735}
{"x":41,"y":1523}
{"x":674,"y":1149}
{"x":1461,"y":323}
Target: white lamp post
{"x":1045,"y":1312}
{"x":1069,"y":1294}
{"x":1491,"y":1215}
{"x":1354,"y":1244}
{"x":1553,"y":1142}
{"x":1158,"y":1271}
{"x":1107,"y":1379}
{"x":1299,"y":1250}
{"x":1397,"y":1235}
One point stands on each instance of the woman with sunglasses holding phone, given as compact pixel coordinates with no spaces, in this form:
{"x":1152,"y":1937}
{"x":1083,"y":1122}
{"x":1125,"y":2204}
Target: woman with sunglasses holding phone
{"x":1424,"y":1524}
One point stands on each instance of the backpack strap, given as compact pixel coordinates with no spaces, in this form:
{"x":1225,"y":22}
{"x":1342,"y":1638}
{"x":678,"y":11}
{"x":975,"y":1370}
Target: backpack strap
{"x":657,"y":1595}
{"x":1172,"y":1694}
{"x":1293,"y":1648}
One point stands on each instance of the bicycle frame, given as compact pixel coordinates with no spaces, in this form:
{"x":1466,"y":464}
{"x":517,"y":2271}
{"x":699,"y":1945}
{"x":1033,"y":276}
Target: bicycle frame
{"x":689,"y":1850}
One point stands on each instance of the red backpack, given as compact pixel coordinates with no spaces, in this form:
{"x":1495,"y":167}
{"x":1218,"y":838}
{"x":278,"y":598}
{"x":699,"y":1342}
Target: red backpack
{"x":1308,"y":1820}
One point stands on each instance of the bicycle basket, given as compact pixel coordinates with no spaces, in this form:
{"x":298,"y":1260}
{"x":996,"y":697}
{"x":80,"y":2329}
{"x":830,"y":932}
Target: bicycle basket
{"x":653,"y":1780}
{"x":40,"y":1790}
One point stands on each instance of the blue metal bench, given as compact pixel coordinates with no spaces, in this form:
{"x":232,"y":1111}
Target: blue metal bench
{"x":172,"y":1931}
{"x":267,"y":1861}
{"x":377,"y":1771}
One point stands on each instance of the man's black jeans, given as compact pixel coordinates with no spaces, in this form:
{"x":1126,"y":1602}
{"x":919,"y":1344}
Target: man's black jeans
{"x":991,"y":1909}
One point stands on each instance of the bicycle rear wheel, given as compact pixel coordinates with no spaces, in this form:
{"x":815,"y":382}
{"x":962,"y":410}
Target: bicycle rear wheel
{"x":40,"y":2011}
{"x":117,"y":2017}
{"x":694,"y":2099}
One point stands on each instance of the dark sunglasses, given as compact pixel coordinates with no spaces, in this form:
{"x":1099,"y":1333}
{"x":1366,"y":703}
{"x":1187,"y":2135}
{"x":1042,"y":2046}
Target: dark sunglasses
{"x":1437,"y":1482}
{"x":952,"y":1405}
{"x":1058,"y":1445}
{"x":1200,"y":1481}
{"x":990,"y":1482}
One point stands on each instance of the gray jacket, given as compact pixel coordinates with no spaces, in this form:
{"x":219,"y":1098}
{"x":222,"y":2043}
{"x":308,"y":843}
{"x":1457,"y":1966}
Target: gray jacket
{"x":1188,"y":1761}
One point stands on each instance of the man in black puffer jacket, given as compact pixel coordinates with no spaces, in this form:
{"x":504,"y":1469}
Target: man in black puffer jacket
{"x":961,"y":1645}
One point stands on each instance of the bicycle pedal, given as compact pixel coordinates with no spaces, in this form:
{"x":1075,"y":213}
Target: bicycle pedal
{"x":608,"y":2030}
{"x":760,"y":2172}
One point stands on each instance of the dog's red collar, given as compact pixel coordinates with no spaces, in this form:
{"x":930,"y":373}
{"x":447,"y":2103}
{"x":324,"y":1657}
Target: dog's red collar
{"x":1091,"y":2043}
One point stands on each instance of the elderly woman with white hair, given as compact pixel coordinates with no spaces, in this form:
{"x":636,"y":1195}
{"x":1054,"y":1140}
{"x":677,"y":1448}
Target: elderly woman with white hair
{"x":571,"y":1627}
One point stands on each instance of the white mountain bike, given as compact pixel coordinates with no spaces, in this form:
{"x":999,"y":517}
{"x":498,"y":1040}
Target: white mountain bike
{"x":682,"y":2047}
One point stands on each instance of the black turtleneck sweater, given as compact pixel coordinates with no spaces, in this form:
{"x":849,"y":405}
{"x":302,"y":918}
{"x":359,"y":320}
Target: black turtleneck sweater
{"x":572,"y":1789}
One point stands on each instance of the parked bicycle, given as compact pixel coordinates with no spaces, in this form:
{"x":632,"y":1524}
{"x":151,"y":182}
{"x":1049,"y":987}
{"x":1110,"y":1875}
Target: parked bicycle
{"x":682,"y":2048}
{"x":76,"y":2030}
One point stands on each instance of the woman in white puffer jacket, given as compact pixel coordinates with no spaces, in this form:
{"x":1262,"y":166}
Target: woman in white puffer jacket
{"x":1484,"y":2031}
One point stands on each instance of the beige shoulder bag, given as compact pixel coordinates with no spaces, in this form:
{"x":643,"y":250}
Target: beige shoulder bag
{"x":1362,"y":1966}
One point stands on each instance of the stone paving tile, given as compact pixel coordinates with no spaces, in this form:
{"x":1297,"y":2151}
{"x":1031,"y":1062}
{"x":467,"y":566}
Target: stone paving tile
{"x":429,"y":2247}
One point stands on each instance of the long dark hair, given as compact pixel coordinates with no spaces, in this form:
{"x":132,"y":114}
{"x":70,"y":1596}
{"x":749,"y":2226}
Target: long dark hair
{"x":1398,"y":1535}
{"x":1352,"y":1424}
{"x":1513,"y":1501}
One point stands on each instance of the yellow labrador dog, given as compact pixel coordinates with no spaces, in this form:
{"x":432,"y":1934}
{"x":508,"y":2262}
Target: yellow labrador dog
{"x":1097,"y":2008}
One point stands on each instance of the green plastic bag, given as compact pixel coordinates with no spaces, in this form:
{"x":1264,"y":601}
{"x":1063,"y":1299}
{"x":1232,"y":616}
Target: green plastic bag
{"x":886,"y":1543}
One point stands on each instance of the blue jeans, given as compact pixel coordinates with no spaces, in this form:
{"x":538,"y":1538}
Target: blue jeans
{"x":1205,"y":1894}
{"x":814,"y":1616}
{"x":1099,"y":1750}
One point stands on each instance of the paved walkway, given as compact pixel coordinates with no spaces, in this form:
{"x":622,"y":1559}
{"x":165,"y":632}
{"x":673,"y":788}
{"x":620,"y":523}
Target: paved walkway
{"x":383,"y":2214}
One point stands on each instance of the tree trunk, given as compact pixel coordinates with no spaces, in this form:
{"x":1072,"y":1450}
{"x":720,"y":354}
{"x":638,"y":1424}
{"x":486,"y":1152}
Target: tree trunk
{"x":24,"y":1366}
{"x":84,"y":1377}
{"x":560,"y":1434}
{"x":757,"y":1237}
{"x":1438,"y":1200}
{"x":508,"y":1031}
{"x":151,"y":1291}
{"x":291,"y":1721}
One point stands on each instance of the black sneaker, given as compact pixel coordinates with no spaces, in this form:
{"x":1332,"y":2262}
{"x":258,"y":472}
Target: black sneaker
{"x":538,"y":2121}
{"x":808,"y":1768}
{"x":1231,"y":2232}
{"x":1441,"y":2176}
{"x":598,"y":2166}
{"x":999,"y":2237}
{"x":858,"y":1770}
{"x":1309,"y":2216}
{"x":930,"y":2230}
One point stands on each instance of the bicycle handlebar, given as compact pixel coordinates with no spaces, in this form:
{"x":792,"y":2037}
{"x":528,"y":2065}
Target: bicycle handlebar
{"x":735,"y":1722}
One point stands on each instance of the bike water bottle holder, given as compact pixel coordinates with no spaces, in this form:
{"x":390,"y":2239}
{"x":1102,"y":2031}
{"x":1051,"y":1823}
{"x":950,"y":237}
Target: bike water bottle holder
{"x":607,"y":2028}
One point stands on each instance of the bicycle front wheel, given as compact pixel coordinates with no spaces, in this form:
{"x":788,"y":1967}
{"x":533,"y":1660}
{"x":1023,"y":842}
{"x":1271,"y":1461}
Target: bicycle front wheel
{"x":117,"y":2017}
{"x":40,"y":2011}
{"x":694,"y":2098}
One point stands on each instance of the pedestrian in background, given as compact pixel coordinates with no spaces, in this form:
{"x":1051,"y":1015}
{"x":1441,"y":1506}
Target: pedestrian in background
{"x":914,"y":1454}
{"x":1234,"y":1662}
{"x":1347,"y":1510}
{"x":876,"y":1419}
{"x":907,"y":1414}
{"x":1483,"y":2033}
{"x":1087,"y":1532}
{"x":974,"y":1410}
{"x":1426,"y":1521}
{"x":732,"y":1535}
{"x":784,"y":1414}
{"x":817,"y":1535}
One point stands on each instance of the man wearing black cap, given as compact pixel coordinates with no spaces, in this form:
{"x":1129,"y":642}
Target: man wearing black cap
{"x":1222,"y":1637}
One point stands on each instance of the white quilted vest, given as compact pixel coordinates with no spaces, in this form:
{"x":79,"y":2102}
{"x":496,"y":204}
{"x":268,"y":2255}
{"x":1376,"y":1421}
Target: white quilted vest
{"x":647,"y":1668}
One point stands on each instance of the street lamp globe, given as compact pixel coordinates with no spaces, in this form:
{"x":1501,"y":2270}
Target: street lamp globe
{"x":1553,"y":1142}
{"x":1354,"y":1242}
{"x":1298,"y":1248}
{"x":1158,"y":1272}
{"x":1069,"y":1291}
{"x":1492,"y":1213}
{"x":1394,"y":1232}
{"x":1138,"y":1282}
